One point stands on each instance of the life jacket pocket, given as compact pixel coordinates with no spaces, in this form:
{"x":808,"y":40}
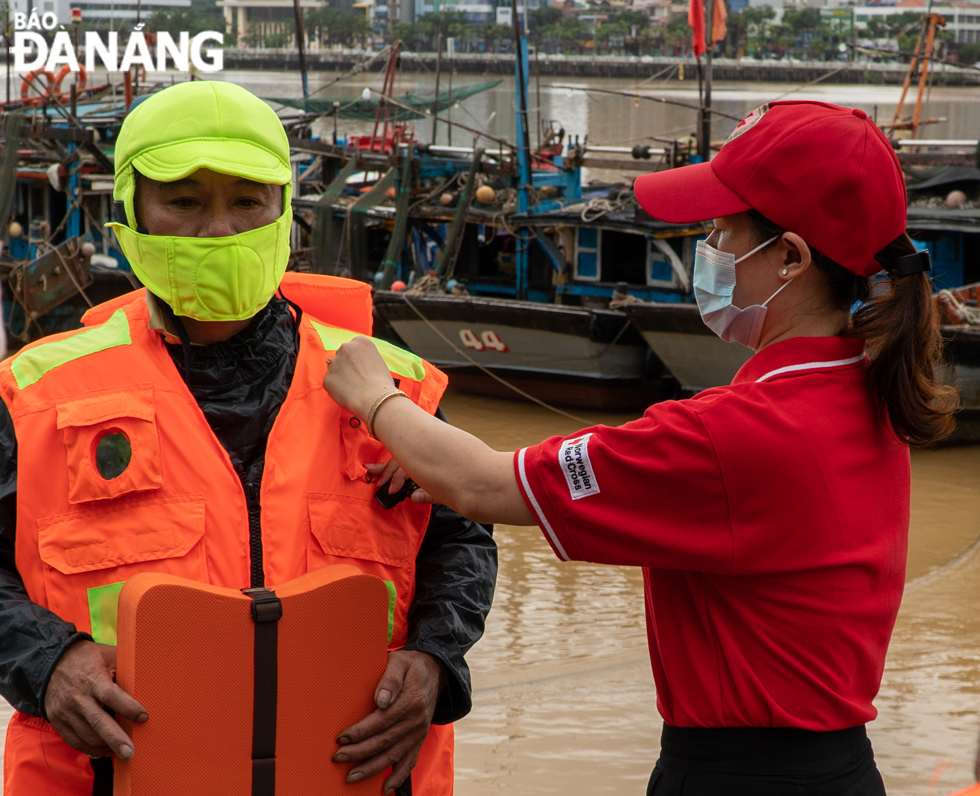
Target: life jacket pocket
{"x":88,"y":553}
{"x":344,"y":525}
{"x":349,"y":529}
{"x":112,"y":445}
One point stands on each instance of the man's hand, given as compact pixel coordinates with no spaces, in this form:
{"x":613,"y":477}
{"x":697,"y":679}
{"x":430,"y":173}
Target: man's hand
{"x":392,"y":735}
{"x":81,"y":690}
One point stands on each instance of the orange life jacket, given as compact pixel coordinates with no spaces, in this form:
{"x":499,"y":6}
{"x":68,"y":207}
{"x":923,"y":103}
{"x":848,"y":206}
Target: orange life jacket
{"x":179,"y":507}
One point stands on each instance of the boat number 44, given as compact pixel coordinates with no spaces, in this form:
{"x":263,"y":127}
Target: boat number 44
{"x":487,"y":340}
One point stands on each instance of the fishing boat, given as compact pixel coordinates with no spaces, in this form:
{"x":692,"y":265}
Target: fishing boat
{"x":694,"y":354}
{"x":559,"y":354}
{"x":515,"y":271}
{"x":55,"y":198}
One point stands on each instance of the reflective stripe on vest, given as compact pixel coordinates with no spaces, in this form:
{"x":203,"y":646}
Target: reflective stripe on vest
{"x":399,"y":361}
{"x":30,"y":365}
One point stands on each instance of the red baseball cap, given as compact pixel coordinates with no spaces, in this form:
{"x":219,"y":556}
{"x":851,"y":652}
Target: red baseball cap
{"x":825,"y":172}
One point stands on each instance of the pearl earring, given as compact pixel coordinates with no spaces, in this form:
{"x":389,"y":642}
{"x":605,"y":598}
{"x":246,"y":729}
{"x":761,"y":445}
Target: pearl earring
{"x":785,"y":271}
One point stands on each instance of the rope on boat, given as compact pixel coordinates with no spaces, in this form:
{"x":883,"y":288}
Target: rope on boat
{"x":71,"y":273}
{"x":490,"y":373}
{"x":963,"y":312}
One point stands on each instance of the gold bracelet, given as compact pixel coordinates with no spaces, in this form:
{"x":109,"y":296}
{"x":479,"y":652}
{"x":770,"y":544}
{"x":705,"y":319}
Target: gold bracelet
{"x":377,"y":406}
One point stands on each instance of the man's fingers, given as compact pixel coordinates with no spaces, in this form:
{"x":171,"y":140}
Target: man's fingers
{"x":421,"y":496}
{"x":389,"y":757}
{"x":401,"y":770}
{"x":390,"y":685}
{"x":118,"y":701}
{"x":372,"y":725}
{"x":107,"y":729}
{"x":71,"y":738}
{"x":383,"y":737}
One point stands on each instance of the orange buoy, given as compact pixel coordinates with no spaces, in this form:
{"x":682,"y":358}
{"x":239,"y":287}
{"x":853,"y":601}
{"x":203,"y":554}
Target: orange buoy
{"x":398,"y":286}
{"x":39,"y":96}
{"x":80,"y":81}
{"x":486,"y":195}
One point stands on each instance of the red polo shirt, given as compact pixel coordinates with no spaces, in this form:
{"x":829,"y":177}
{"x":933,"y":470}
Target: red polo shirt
{"x":771,"y":518}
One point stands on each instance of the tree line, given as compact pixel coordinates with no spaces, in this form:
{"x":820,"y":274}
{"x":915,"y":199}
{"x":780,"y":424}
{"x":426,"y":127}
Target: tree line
{"x":802,"y":34}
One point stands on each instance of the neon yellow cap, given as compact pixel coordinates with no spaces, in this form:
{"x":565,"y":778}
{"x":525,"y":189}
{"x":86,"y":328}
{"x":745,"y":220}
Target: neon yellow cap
{"x":200,"y":125}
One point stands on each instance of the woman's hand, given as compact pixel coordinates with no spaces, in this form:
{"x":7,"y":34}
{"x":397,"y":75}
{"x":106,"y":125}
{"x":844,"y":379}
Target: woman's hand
{"x":357,"y":376}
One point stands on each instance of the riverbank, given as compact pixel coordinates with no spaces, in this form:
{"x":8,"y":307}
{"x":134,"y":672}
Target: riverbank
{"x":742,"y":70}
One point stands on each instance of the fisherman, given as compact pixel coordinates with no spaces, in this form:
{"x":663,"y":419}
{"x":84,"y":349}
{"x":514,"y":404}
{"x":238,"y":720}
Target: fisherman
{"x":185,"y":432}
{"x":770,"y":516}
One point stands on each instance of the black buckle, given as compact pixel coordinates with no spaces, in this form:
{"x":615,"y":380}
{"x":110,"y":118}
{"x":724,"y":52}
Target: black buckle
{"x":913,"y":263}
{"x":266,"y":607}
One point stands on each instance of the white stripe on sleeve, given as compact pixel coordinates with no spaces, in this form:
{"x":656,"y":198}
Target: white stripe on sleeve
{"x":542,"y":520}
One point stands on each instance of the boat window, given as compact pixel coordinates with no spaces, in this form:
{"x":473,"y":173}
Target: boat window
{"x":587,"y":254}
{"x":660,"y":271}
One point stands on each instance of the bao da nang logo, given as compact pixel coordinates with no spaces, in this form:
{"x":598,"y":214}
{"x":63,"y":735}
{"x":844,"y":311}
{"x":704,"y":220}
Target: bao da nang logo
{"x":31,"y":48}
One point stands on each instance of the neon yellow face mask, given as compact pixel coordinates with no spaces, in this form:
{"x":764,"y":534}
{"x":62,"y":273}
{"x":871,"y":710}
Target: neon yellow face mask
{"x":169,"y":136}
{"x":211,"y":279}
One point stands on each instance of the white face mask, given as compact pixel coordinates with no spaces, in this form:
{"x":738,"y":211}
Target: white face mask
{"x":714,"y":283}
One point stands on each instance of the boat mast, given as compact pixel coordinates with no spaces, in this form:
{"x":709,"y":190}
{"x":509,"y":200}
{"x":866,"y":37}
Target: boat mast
{"x":298,"y":13}
{"x":704,"y":138}
{"x":523,"y":150}
{"x":435,"y":101}
{"x":924,"y":54}
{"x":388,"y":89}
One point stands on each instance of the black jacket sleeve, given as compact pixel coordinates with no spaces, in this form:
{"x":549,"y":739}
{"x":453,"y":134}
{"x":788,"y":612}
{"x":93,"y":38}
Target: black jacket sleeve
{"x":32,"y":638}
{"x":455,"y":573}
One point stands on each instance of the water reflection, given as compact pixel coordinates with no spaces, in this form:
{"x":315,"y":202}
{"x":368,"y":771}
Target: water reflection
{"x":615,"y":120}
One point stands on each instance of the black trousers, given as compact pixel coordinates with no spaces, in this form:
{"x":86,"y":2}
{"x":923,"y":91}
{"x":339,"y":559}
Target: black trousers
{"x":750,"y":761}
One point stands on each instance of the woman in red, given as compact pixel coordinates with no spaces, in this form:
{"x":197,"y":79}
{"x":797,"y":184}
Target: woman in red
{"x":771,"y":515}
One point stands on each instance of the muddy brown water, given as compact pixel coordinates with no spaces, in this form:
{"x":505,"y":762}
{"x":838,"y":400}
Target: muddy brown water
{"x":564,"y":701}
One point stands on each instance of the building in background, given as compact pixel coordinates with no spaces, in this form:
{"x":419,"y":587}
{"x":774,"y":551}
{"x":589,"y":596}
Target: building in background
{"x":62,"y":8}
{"x":962,"y":19}
{"x":252,"y":20}
{"x":101,"y":13}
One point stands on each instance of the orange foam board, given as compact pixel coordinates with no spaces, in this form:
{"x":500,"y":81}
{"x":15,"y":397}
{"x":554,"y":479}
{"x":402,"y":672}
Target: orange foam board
{"x":186,"y":653}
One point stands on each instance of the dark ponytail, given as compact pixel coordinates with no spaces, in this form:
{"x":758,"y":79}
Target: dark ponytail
{"x":900,"y":322}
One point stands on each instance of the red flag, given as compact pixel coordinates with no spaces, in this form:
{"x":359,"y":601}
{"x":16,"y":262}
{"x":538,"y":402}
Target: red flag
{"x":718,"y":27}
{"x":695,"y":18}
